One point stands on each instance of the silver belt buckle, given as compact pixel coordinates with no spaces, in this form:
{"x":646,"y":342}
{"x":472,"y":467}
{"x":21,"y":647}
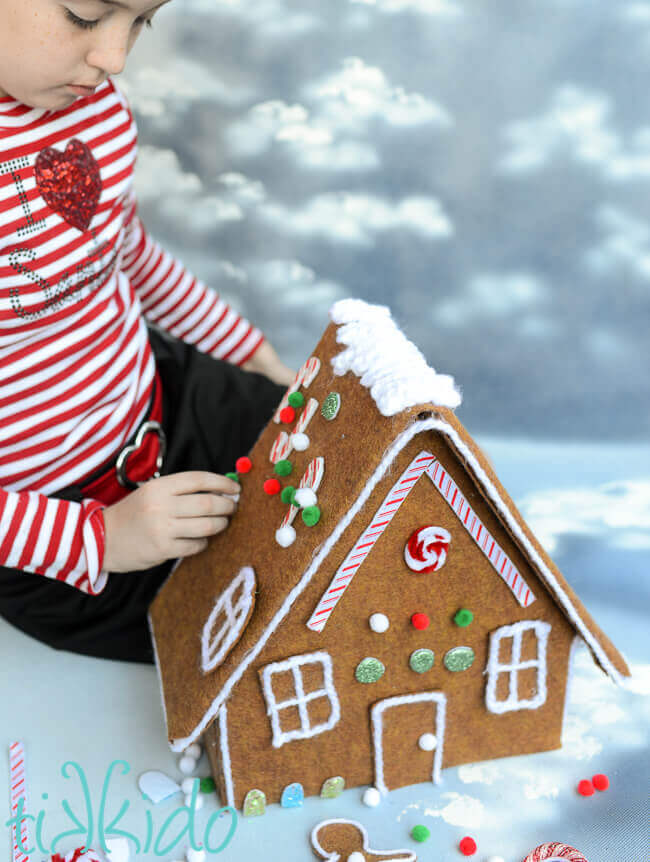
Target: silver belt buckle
{"x":120,"y":465}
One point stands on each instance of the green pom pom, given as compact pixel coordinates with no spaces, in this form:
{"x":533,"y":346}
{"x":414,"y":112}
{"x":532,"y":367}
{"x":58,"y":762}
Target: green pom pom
{"x":463,"y":617}
{"x":311,"y":515}
{"x":283,"y":468}
{"x":232,"y":476}
{"x":287,"y":493}
{"x":296,"y":399}
{"x":207,"y":785}
{"x":420,"y":833}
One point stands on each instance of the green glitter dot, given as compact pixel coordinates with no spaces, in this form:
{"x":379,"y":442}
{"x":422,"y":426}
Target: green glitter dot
{"x":254,"y":803}
{"x":283,"y":468}
{"x":207,"y":785}
{"x":311,"y":515}
{"x":459,"y":658}
{"x":331,"y":406}
{"x":287,"y":494}
{"x":232,"y":476}
{"x":463,"y":617}
{"x":369,"y":670}
{"x":296,"y":399}
{"x":420,"y":833}
{"x":332,"y":787}
{"x":421,"y":660}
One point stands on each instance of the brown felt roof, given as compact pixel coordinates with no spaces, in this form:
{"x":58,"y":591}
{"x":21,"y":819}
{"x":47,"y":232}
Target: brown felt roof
{"x":352,"y":445}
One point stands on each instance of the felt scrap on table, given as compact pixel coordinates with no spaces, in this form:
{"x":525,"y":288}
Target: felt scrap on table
{"x":157,"y":786}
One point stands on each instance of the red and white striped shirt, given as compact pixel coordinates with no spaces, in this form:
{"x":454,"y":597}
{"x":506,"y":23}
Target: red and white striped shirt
{"x":77,"y":273}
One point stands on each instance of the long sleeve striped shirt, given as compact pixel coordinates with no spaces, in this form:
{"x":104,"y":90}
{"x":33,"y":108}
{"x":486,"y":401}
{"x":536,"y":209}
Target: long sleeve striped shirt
{"x":78,"y":276}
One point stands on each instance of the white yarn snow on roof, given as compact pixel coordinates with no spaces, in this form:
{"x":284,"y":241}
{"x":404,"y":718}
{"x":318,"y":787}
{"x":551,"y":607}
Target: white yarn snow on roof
{"x":389,"y":365}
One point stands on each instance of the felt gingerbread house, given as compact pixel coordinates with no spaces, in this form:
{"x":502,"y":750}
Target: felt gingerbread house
{"x":377,"y":609}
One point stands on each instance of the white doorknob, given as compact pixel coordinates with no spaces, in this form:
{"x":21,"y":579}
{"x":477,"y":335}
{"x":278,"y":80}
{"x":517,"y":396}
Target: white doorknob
{"x":427,"y":742}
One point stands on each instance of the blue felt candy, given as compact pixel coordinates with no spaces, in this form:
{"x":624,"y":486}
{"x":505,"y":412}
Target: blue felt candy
{"x":292,"y":796}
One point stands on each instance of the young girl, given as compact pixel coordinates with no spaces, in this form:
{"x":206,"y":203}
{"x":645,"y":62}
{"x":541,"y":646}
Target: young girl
{"x":118,"y":413}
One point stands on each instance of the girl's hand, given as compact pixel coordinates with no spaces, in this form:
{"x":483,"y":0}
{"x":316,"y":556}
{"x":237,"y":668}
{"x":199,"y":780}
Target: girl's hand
{"x":166,"y":518}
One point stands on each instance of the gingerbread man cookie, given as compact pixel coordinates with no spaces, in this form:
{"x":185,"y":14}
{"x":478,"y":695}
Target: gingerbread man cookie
{"x":347,"y":841}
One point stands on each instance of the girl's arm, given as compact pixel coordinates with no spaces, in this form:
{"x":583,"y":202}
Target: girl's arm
{"x":266,"y":361}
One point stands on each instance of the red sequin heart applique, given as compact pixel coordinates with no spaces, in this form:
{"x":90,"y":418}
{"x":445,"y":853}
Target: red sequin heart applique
{"x":70,"y":182}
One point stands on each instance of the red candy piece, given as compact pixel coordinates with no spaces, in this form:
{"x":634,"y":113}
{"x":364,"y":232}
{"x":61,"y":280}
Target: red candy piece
{"x":287,"y":414}
{"x":420,"y":621}
{"x":243,"y":464}
{"x":271,"y":487}
{"x":467,"y":846}
{"x":585,"y":788}
{"x":600,"y":781}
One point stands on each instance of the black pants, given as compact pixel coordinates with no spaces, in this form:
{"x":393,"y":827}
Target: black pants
{"x":213,"y":412}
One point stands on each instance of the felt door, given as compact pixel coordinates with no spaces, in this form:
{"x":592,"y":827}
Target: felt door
{"x":408,"y":735}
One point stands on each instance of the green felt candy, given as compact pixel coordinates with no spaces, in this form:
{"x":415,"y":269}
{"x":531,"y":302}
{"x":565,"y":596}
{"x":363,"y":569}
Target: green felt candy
{"x":421,"y":660}
{"x":463,"y":617}
{"x":207,"y":785}
{"x":331,"y":406}
{"x":254,"y":803}
{"x":296,"y":399}
{"x":311,"y":515}
{"x":332,"y":787}
{"x":369,"y":670}
{"x":283,"y":468}
{"x":232,"y":476}
{"x":420,"y":833}
{"x":287,"y":494}
{"x":459,"y":658}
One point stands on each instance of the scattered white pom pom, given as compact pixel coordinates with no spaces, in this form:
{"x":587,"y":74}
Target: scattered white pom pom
{"x":495,"y":859}
{"x":199,"y":801}
{"x":285,"y":536}
{"x":379,"y":623}
{"x":300,"y":442}
{"x":371,"y":797}
{"x":193,"y":855}
{"x":118,"y":849}
{"x":427,"y":742}
{"x":305,"y":497}
{"x":187,"y":764}
{"x":356,"y":857}
{"x":193,"y":750}
{"x":187,"y":784}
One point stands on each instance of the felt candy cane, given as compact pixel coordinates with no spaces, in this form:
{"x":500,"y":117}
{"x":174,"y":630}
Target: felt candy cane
{"x":312,"y":478}
{"x":303,"y":378}
{"x":555,"y":852}
{"x":283,"y":445}
{"x":18,"y":791}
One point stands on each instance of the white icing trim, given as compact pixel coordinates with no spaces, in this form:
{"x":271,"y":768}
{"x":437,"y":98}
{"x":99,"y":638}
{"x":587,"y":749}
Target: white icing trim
{"x":215,"y":647}
{"x":376,"y":719}
{"x":334,"y":857}
{"x":398,"y":444}
{"x":226,"y":766}
{"x":301,"y":700}
{"x":494,"y":667}
{"x":161,"y":688}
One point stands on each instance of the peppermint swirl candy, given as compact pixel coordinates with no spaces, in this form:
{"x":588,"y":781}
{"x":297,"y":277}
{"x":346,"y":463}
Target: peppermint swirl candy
{"x":555,"y":852}
{"x":426,"y":550}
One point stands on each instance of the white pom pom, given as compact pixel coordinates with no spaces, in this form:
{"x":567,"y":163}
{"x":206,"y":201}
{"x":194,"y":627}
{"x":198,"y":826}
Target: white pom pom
{"x":356,"y":857}
{"x":371,"y":797}
{"x":187,"y":784}
{"x":285,"y":536}
{"x":427,"y":742}
{"x":300,"y":442}
{"x":305,"y":497}
{"x":187,"y":765}
{"x":193,"y":855}
{"x":193,"y":750}
{"x":379,"y":623}
{"x":495,"y":859}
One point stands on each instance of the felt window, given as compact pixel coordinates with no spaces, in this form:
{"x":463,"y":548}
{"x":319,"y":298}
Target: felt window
{"x":300,"y":696}
{"x":228,"y":619}
{"x":516,"y":667}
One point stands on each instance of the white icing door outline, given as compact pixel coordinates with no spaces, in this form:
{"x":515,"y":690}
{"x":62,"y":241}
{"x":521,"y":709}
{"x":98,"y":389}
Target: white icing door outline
{"x":376,"y":719}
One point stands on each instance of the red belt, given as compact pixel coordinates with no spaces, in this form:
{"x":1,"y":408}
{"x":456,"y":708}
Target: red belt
{"x":140,"y":460}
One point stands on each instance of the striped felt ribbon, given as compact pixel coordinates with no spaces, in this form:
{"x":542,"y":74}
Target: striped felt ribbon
{"x":18,"y":791}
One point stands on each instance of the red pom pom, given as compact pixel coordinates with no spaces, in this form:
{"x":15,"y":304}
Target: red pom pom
{"x":243,"y":464}
{"x":467,"y":846}
{"x":600,"y":781}
{"x":287,"y":414}
{"x":585,"y":788}
{"x":271,"y":487}
{"x":420,"y":621}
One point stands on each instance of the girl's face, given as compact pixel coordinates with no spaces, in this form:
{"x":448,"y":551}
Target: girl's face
{"x":48,"y":45}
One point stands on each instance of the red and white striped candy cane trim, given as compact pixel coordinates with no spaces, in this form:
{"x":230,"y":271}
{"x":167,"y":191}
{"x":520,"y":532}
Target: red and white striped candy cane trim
{"x":18,"y":790}
{"x":555,"y":851}
{"x":312,"y":478}
{"x":304,"y":378}
{"x":424,"y":462}
{"x":283,"y":446}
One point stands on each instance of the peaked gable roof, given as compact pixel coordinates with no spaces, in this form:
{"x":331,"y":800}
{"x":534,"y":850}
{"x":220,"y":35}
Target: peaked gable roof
{"x":359,"y":450}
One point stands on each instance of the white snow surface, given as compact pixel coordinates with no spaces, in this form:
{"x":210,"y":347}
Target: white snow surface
{"x":387,"y":363}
